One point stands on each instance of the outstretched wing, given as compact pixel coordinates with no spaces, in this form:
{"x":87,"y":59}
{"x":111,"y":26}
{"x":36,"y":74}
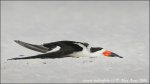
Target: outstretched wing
{"x":38,"y":48}
{"x":52,"y":47}
{"x":66,"y":49}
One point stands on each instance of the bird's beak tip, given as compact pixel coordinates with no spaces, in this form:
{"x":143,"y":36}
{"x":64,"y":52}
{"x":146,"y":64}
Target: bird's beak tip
{"x":119,"y":56}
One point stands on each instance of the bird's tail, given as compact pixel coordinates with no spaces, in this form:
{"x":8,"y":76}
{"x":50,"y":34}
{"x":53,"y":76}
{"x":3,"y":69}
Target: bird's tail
{"x":38,"y":48}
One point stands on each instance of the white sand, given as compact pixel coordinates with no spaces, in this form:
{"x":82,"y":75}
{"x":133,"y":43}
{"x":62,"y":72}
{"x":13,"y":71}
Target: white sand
{"x":122,"y":27}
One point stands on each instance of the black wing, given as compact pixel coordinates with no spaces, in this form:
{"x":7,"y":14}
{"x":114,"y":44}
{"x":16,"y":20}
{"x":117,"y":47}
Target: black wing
{"x":39,"y":48}
{"x":44,"y":48}
{"x":64,"y":43}
{"x":67,"y":48}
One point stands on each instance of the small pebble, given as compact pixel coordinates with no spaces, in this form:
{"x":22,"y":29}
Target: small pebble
{"x":21,"y":55}
{"x":44,"y":62}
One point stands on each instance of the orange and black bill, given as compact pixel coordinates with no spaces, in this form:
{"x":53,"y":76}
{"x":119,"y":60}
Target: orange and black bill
{"x":110,"y":54}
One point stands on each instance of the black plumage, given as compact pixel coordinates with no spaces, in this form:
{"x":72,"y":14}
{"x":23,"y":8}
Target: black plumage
{"x":67,"y":47}
{"x":94,"y":49}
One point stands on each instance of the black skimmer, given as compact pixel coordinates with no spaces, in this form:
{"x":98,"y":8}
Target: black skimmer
{"x":65,"y":49}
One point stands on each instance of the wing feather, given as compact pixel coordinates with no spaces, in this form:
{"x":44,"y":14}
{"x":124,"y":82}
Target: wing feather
{"x":38,"y":48}
{"x":67,"y":47}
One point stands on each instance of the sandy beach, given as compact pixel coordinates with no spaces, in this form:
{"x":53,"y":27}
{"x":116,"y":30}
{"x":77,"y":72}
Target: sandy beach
{"x":119,"y":26}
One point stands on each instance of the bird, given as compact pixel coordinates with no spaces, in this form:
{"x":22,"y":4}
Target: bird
{"x":65,"y":48}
